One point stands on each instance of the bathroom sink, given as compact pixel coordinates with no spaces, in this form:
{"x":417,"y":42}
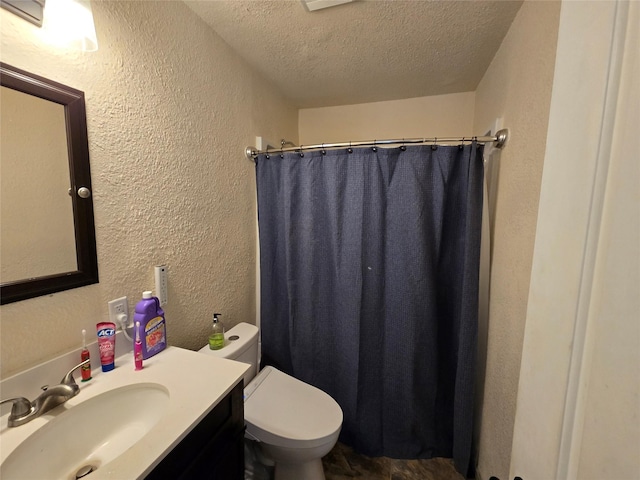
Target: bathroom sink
{"x":88,"y":435}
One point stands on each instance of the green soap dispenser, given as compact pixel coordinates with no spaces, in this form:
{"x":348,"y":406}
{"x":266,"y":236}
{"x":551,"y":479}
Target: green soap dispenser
{"x":216,"y":339}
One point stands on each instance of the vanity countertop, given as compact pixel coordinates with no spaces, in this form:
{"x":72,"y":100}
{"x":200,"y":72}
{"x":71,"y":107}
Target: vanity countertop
{"x":195,"y":383}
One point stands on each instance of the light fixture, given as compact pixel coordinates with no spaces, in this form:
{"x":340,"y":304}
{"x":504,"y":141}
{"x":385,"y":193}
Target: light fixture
{"x":30,"y":10}
{"x":69,"y":23}
{"x":312,"y":5}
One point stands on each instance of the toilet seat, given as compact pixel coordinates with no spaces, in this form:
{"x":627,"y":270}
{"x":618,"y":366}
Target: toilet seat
{"x":286,"y":412}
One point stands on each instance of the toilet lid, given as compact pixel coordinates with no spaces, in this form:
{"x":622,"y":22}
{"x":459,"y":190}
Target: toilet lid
{"x":286,"y":412}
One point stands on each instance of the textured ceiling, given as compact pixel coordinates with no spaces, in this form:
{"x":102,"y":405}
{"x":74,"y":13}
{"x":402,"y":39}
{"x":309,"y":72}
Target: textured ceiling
{"x":365,"y":51}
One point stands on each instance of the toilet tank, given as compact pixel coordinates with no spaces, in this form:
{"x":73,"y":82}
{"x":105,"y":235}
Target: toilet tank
{"x":241,"y":345}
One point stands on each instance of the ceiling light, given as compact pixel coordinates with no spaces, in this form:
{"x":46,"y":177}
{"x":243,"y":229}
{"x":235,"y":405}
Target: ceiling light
{"x":312,"y":5}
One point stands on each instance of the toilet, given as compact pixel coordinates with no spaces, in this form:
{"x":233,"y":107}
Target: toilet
{"x":293,"y":423}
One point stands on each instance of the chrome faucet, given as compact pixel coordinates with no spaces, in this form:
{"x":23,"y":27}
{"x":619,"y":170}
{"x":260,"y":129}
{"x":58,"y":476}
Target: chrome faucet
{"x":23,"y":411}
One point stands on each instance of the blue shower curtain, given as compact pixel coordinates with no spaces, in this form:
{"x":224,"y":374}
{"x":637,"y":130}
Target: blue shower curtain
{"x":369,"y":289}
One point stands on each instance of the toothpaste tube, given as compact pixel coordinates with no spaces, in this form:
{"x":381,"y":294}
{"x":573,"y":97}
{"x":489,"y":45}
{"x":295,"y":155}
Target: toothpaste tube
{"x":107,"y":345}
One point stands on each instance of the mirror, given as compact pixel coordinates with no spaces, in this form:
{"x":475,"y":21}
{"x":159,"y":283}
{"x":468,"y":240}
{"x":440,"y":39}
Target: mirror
{"x":48,"y":241}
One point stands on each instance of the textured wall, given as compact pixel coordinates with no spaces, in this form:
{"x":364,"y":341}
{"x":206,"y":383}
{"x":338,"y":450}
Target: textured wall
{"x":440,"y":115}
{"x":170,"y":109}
{"x":517,"y":87}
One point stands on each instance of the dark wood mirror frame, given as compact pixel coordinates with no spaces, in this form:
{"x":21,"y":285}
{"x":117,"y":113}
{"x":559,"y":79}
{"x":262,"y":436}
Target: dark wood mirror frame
{"x":80,"y":176}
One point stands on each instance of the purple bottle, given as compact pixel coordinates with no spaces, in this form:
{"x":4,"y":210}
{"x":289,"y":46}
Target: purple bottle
{"x":153,"y":332}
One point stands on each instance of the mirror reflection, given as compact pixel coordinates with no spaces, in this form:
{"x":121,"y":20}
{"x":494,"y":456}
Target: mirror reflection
{"x":37,"y":236}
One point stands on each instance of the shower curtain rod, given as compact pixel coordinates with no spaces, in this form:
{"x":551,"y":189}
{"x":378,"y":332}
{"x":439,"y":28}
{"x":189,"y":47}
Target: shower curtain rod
{"x":499,"y":140}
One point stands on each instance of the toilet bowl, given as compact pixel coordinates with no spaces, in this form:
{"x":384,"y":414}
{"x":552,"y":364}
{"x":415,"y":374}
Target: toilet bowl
{"x":294,"y":424}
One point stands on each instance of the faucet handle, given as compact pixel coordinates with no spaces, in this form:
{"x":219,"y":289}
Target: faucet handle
{"x":68,"y":378}
{"x":21,"y":406}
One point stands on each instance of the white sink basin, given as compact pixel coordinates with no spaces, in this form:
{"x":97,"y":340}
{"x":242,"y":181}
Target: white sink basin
{"x":123,"y":422}
{"x":91,"y":433}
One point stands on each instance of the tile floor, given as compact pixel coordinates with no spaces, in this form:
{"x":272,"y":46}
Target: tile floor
{"x":342,"y":463}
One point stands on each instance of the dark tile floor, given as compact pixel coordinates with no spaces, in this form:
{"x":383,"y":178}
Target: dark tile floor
{"x":342,"y":463}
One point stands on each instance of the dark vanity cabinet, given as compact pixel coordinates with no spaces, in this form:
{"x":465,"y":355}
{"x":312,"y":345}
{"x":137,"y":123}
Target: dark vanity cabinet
{"x":214,"y":449}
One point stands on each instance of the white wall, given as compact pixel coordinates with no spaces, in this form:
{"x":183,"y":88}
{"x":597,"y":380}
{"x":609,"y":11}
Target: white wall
{"x":170,"y":109}
{"x":611,"y":383}
{"x":440,"y":115}
{"x":516,"y":87}
{"x":578,"y":403}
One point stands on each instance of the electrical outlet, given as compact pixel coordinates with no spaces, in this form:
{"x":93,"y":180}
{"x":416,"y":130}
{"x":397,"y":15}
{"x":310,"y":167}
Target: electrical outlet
{"x":117,"y":307}
{"x":161,"y":284}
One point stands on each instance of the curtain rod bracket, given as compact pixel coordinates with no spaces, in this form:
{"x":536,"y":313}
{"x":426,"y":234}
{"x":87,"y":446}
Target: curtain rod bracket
{"x":501,"y":138}
{"x":251,"y":153}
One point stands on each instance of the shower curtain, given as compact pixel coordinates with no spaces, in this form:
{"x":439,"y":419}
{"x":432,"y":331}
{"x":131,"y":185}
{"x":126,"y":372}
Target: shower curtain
{"x":369,"y":289}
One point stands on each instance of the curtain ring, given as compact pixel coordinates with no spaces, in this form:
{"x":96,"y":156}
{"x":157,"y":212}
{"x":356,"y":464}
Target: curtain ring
{"x":266,"y":154}
{"x":461,"y":146}
{"x":323,"y":151}
{"x":434,"y":146}
{"x":300,"y":152}
{"x":402,"y":147}
{"x":281,"y":151}
{"x":350,"y":150}
{"x":374,"y":148}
